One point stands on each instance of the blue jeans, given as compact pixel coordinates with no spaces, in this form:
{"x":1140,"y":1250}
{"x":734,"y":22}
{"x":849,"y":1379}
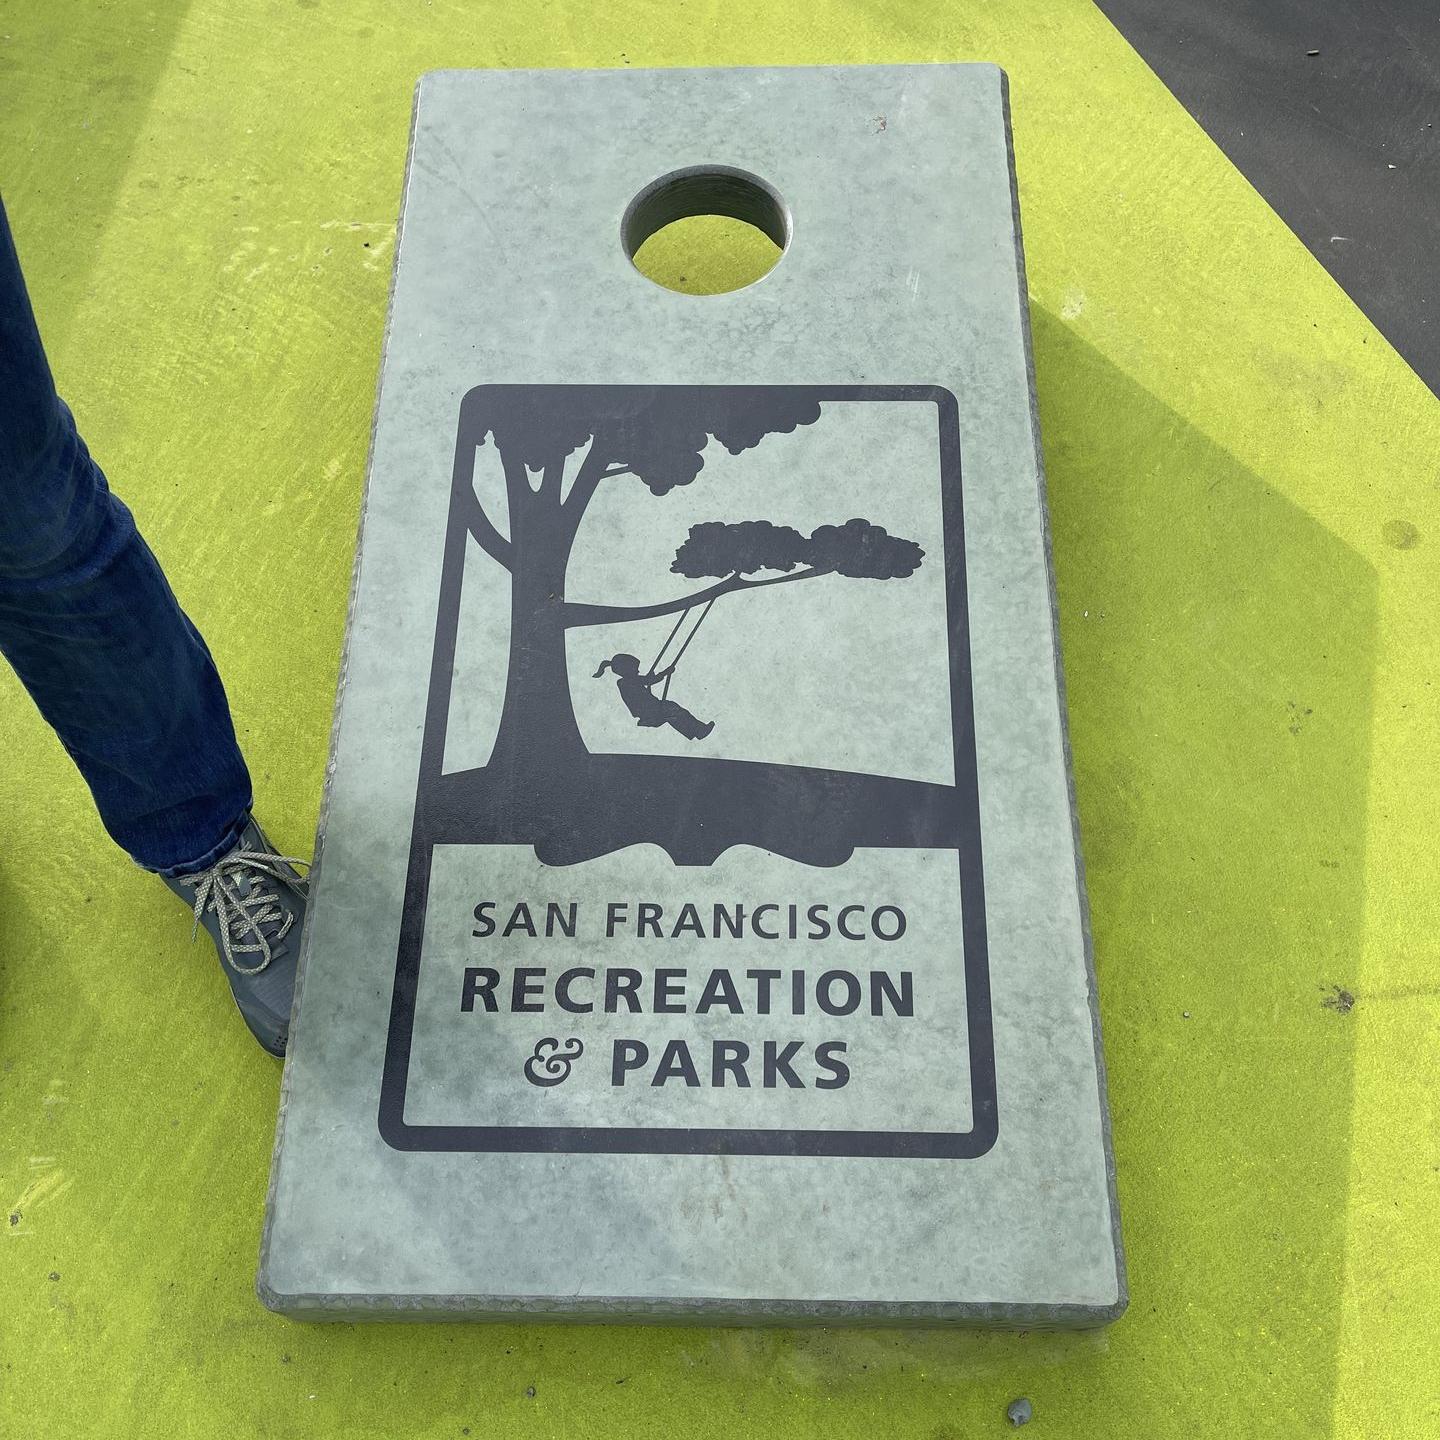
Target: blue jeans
{"x":94,"y":632}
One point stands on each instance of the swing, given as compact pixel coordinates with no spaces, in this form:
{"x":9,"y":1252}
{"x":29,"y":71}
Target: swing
{"x":669,"y":640}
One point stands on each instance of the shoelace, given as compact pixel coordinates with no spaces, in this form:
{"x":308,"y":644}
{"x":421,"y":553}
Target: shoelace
{"x":245,"y":915}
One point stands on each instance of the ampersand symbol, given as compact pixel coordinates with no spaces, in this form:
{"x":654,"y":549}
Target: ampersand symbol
{"x":549,"y":1065}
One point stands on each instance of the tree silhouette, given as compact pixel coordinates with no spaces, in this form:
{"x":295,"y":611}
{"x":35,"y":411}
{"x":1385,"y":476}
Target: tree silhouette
{"x":657,"y":437}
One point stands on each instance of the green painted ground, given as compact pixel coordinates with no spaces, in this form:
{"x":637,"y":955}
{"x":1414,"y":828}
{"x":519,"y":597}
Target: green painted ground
{"x":1245,"y":483}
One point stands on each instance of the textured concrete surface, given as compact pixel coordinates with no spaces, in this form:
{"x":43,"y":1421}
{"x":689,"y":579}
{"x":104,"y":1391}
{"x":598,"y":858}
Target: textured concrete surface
{"x":1243,"y":482}
{"x":958,"y":1167}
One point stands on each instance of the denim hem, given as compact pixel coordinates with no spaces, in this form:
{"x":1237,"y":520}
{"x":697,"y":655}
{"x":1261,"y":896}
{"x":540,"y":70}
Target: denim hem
{"x":231,"y":838}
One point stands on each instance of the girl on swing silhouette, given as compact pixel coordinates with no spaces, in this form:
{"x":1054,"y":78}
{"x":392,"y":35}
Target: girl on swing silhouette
{"x":649,"y":709}
{"x":637,"y":690}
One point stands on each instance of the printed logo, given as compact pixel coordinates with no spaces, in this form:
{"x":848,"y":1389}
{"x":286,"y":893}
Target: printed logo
{"x":698,"y":781}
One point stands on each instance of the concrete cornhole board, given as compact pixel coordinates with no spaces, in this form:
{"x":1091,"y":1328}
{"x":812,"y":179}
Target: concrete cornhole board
{"x":699,"y":931}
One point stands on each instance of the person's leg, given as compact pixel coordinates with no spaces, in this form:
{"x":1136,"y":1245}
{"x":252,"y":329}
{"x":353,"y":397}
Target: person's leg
{"x":91,"y":627}
{"x":100,"y":642}
{"x":680,"y":719}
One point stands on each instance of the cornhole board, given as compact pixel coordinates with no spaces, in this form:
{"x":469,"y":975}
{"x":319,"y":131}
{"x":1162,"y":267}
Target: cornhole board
{"x":699,"y":930}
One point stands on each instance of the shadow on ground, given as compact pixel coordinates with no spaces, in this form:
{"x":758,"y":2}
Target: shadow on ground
{"x":106,"y":70}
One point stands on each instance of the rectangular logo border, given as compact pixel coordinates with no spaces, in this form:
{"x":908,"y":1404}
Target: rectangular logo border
{"x":969,"y":1144}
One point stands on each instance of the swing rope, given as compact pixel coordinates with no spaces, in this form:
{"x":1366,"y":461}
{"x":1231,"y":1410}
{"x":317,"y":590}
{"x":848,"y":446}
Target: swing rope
{"x":669,"y":639}
{"x":684,"y":616}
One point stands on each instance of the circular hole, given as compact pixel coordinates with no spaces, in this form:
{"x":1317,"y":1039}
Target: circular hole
{"x":706,"y":230}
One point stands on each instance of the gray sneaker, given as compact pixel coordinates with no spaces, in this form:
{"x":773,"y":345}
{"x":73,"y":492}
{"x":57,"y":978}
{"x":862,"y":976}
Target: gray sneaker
{"x":252,"y":903}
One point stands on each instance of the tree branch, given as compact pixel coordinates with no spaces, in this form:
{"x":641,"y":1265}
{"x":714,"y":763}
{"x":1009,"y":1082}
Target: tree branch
{"x":517,"y":484}
{"x":808,"y":574}
{"x":550,"y":480}
{"x":479,"y":524}
{"x":587,"y":478}
{"x":576,"y":615}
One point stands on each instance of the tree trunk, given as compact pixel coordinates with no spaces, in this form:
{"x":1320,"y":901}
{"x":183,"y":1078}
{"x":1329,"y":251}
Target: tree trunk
{"x":537,"y":724}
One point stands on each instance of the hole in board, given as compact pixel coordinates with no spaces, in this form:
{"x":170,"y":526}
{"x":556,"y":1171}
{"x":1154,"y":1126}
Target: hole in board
{"x":706,"y":230}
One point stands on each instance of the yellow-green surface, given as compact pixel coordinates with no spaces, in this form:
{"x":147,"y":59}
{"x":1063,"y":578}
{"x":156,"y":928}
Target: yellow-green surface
{"x":707,"y":255}
{"x":1245,"y":484}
